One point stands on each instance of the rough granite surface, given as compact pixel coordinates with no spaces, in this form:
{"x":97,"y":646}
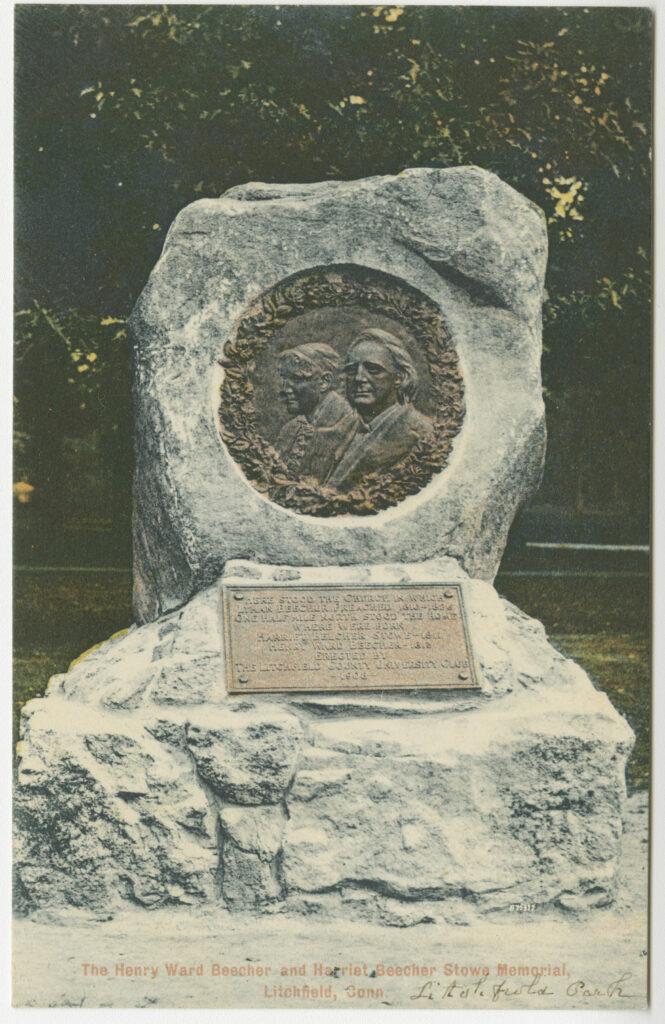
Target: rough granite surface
{"x":463,"y":238}
{"x":597,"y":948}
{"x":142,"y":782}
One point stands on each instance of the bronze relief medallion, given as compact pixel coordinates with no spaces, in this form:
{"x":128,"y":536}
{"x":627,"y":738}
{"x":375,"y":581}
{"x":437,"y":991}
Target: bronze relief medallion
{"x":342,"y":392}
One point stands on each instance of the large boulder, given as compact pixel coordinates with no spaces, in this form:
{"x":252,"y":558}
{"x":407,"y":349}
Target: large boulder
{"x":400,"y":806}
{"x":141,"y":780}
{"x":464,"y":241}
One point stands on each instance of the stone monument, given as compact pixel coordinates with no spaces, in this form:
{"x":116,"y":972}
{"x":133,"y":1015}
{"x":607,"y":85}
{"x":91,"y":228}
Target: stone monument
{"x":325,"y":707}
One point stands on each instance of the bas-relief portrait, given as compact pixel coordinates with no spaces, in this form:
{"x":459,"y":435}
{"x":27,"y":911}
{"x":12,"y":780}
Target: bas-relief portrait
{"x":352,"y":415}
{"x":342,"y":392}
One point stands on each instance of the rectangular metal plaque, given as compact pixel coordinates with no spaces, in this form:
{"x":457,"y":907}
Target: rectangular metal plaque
{"x":346,"y":637}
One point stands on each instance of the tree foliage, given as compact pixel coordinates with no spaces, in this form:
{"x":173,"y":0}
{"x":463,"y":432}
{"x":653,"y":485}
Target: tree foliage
{"x":125,"y":114}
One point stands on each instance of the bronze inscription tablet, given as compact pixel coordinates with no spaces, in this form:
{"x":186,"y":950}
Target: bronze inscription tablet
{"x":346,"y":637}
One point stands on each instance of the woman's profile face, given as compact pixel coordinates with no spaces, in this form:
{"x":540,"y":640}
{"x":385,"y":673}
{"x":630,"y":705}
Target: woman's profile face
{"x":301,"y":389}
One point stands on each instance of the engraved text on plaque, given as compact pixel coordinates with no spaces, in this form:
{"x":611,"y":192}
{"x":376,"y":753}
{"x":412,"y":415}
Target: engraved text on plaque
{"x":351,"y":637}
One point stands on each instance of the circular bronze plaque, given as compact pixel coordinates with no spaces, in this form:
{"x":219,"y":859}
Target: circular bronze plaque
{"x":342,"y":392}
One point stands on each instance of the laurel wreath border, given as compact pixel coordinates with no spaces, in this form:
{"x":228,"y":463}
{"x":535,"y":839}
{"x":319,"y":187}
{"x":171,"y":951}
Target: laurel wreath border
{"x":337,"y":287}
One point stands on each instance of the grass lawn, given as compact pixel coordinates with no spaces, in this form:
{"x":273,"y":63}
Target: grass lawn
{"x":619,"y":665}
{"x":57,"y":616}
{"x":602,"y":622}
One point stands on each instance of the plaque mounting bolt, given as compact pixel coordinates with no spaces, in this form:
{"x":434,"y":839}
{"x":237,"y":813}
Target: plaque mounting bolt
{"x":243,"y":679}
{"x":239,"y":597}
{"x":448,"y":593}
{"x":462,"y":675}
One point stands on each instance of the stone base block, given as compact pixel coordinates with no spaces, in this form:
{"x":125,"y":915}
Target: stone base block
{"x":142,"y":781}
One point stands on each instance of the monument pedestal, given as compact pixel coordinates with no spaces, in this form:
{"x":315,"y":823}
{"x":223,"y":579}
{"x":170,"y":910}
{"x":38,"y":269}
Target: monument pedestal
{"x":143,"y":781}
{"x":344,"y":376}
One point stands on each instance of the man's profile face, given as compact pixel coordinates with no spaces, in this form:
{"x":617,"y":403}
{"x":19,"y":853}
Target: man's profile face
{"x":372,"y":382}
{"x":302,"y":387}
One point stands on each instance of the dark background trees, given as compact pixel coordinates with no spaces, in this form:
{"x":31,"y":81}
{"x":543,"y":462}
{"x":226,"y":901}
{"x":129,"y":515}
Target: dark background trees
{"x":125,"y":114}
